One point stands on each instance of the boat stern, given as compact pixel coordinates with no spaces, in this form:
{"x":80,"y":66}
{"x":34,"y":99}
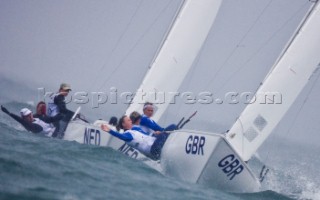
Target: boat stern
{"x":208,"y":159}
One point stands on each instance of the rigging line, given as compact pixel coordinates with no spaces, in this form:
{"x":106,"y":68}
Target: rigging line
{"x":262,"y":46}
{"x":254,"y":54}
{"x":193,"y":67}
{"x":163,"y":42}
{"x":295,"y":117}
{"x":117,"y":43}
{"x":191,"y":78}
{"x":297,"y":31}
{"x":194,"y":64}
{"x":239,"y":43}
{"x":166,"y":35}
{"x":300,"y":108}
{"x":303,"y":104}
{"x":305,"y":100}
{"x":136,"y":44}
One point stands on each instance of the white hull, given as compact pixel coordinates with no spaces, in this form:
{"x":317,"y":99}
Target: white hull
{"x":90,"y":134}
{"x":191,"y":156}
{"x":208,"y":159}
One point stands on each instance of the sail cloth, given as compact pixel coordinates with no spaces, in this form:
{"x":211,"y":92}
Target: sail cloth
{"x":179,"y":50}
{"x":280,"y":88}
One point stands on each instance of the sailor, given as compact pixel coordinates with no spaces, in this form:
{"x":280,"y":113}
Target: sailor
{"x":32,"y":124}
{"x":148,"y":145}
{"x":41,"y":111}
{"x":57,"y":106}
{"x":149,"y":125}
{"x":136,"y":118}
{"x":113,"y":121}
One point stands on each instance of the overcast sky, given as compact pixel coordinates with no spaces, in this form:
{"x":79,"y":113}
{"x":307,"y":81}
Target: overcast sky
{"x":96,"y":45}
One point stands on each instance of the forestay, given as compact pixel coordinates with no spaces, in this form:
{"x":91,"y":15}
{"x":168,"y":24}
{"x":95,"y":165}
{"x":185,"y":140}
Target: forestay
{"x":179,"y":50}
{"x":283,"y":85}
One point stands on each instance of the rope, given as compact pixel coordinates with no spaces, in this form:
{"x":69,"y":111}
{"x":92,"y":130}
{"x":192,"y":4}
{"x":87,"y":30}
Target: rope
{"x":264,"y":44}
{"x":135,"y":45}
{"x":239,"y":43}
{"x":117,"y":44}
{"x":302,"y":106}
{"x":296,"y":115}
{"x":259,"y":50}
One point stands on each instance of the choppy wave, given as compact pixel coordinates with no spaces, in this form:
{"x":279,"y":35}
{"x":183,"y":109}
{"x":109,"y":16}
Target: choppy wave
{"x":35,"y":167}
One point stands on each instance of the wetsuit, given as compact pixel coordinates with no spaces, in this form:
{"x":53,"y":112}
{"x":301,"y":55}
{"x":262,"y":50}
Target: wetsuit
{"x":36,"y":126}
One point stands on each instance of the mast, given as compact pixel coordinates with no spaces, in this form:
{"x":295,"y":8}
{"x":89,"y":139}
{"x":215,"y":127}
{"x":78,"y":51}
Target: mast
{"x":281,"y":87}
{"x":176,"y":56}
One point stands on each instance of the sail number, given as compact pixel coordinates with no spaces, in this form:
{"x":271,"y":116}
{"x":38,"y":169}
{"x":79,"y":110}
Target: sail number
{"x":195,"y":144}
{"x":231,"y":166}
{"x":91,"y":136}
{"x":129,"y":151}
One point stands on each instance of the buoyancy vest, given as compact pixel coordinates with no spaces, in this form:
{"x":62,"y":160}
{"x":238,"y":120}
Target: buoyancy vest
{"x":47,"y":129}
{"x":53,"y":109}
{"x":140,"y":129}
{"x":147,"y":129}
{"x":141,"y":141}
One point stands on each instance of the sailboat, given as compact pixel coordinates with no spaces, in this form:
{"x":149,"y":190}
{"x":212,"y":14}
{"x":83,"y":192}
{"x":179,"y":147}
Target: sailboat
{"x":214,"y":159}
{"x":193,"y":20}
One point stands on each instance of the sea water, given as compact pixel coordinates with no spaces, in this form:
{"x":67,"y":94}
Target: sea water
{"x":36,"y":167}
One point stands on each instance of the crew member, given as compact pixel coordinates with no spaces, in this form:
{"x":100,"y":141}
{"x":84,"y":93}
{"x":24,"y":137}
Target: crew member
{"x":148,"y":145}
{"x":57,"y":106}
{"x":32,"y":124}
{"x":136,"y":118}
{"x":149,"y":125}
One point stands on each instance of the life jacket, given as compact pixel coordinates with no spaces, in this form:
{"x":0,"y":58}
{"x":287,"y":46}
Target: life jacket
{"x":141,"y":141}
{"x":47,"y":129}
{"x":53,"y":109}
{"x":140,"y":129}
{"x":146,"y":129}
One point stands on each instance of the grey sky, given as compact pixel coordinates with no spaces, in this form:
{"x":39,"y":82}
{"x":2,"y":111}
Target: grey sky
{"x":95,"y":45}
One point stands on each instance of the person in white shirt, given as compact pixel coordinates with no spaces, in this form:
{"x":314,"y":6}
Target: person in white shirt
{"x":150,"y":146}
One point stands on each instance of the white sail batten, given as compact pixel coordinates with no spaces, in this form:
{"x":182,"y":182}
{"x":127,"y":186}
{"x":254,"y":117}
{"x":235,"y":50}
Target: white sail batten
{"x":176,"y":56}
{"x":280,"y":88}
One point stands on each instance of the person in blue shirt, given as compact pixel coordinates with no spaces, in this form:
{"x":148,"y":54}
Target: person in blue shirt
{"x":148,"y":145}
{"x":136,"y":118}
{"x":149,"y":125}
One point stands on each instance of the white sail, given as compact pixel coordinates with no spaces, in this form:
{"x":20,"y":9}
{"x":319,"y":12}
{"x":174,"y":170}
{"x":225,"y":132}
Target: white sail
{"x":283,"y":85}
{"x":178,"y":52}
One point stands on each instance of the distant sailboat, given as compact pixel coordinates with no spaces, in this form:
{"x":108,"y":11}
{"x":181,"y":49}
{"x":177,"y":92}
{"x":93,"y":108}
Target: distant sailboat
{"x":214,"y":159}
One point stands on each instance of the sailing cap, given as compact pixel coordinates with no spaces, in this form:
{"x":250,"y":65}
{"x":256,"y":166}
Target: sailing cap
{"x":65,"y":86}
{"x":25,"y":112}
